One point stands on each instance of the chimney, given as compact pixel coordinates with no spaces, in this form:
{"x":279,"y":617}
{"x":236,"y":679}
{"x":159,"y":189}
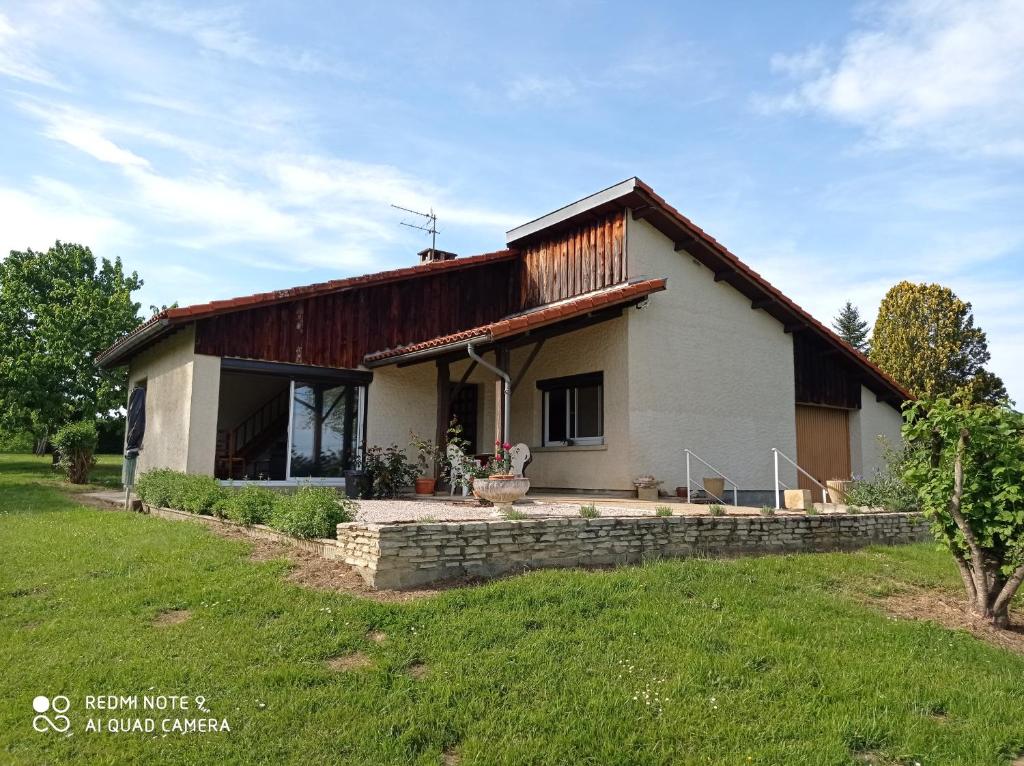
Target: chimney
{"x":431,"y":255}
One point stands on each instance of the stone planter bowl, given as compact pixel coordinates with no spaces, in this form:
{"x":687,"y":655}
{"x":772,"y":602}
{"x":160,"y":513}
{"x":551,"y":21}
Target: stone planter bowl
{"x":501,"y":492}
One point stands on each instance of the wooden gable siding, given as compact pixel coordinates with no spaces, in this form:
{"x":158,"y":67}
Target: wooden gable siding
{"x":575,"y":261}
{"x":339,"y":329}
{"x":822,"y":376}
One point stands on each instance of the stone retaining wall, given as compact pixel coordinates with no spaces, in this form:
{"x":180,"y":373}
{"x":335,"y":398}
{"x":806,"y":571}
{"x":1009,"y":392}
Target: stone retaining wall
{"x":410,"y":555}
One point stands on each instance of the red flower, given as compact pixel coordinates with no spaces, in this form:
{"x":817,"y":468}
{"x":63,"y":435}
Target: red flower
{"x":506,"y":445}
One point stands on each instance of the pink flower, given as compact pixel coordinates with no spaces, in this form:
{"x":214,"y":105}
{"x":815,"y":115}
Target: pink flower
{"x":506,"y":445}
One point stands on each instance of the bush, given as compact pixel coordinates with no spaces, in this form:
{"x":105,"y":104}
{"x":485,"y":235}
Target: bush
{"x":250,"y":505}
{"x":75,"y":444}
{"x":165,"y":488}
{"x":767,"y":510}
{"x":389,"y":471}
{"x":514,"y":515}
{"x":589,"y":511}
{"x":716,"y":510}
{"x":17,"y":441}
{"x":888,"y":490}
{"x":157,"y":487}
{"x":311,"y":512}
{"x":662,"y":510}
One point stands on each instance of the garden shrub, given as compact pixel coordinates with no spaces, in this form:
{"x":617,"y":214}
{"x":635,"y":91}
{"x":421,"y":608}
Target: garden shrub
{"x":156,"y":487}
{"x":75,"y":444}
{"x":165,"y":488}
{"x":311,"y":512}
{"x":889,"y":489}
{"x":250,"y":505}
{"x":389,"y":471}
{"x":589,"y":511}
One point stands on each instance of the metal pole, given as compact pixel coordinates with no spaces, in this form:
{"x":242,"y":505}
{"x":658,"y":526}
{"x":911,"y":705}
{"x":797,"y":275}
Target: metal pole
{"x":778,"y":503}
{"x":735,"y":495}
{"x":688,"y":498}
{"x":506,"y":389}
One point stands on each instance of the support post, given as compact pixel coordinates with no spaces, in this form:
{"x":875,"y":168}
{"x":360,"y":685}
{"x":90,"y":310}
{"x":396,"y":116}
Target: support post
{"x":778,"y":502}
{"x":444,"y":390}
{"x":688,"y":498}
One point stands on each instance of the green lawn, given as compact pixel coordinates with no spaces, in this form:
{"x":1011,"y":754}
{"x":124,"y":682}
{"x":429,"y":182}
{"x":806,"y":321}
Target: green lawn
{"x":774,"y":660}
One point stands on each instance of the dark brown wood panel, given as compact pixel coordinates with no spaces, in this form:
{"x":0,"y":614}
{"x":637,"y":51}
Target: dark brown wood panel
{"x":822,"y":445}
{"x":339,"y":329}
{"x":579,"y":260}
{"x":822,"y":375}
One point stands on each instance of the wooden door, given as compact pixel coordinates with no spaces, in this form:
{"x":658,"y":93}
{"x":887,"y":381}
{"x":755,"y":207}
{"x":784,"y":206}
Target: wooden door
{"x":822,"y":445}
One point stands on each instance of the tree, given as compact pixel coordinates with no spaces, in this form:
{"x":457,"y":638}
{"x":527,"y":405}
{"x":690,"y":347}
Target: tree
{"x":926,"y":340}
{"x":58,"y":310}
{"x":851,"y":328}
{"x":966,"y":461}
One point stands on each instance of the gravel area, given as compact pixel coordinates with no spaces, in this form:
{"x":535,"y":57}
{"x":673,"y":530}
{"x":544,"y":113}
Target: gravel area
{"x":469,"y":510}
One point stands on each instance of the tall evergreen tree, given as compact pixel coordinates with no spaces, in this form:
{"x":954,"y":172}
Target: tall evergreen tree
{"x":851,"y":328}
{"x":926,"y":340}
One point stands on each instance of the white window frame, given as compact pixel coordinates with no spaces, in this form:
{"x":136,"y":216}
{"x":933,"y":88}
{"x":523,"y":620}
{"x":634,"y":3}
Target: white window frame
{"x":572,"y":418}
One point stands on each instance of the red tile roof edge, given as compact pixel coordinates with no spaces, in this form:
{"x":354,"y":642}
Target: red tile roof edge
{"x":529,"y":320}
{"x":768,"y":287}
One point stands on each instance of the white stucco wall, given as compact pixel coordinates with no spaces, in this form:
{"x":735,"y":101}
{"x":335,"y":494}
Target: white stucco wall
{"x":874,"y":424}
{"x":182,"y":390}
{"x":600,"y":348}
{"x":707,"y":373}
{"x":401,"y":399}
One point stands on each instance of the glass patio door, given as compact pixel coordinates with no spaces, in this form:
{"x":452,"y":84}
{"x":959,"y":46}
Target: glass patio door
{"x":325,"y":429}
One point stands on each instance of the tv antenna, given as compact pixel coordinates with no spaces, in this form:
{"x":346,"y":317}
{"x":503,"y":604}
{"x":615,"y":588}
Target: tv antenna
{"x":429,"y":225}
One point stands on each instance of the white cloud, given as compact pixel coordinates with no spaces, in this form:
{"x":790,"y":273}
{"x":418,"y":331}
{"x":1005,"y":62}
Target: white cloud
{"x":53,"y":210}
{"x":221,"y":30}
{"x":308,"y":209}
{"x":552,"y":89}
{"x":17,"y":55}
{"x":946,"y":74}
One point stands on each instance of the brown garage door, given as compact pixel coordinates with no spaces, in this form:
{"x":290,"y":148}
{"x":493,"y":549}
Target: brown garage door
{"x":822,"y":444}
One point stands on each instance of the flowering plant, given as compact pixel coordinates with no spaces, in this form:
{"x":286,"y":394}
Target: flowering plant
{"x":501,"y":463}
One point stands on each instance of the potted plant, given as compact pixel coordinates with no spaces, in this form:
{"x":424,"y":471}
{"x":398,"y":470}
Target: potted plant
{"x":500,"y":486}
{"x":646,"y":487}
{"x":427,"y":456}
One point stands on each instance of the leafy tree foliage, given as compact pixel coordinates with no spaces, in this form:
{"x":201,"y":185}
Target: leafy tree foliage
{"x":966,"y":462}
{"x":58,"y":310}
{"x":926,"y":340}
{"x":849,"y":325}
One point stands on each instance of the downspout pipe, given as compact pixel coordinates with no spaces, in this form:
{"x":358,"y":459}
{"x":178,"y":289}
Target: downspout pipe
{"x":507,"y":389}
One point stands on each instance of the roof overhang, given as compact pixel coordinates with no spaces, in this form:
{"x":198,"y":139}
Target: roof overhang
{"x":555,"y":318}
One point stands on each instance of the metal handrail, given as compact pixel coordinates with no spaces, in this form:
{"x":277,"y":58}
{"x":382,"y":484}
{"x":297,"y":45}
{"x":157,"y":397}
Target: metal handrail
{"x":778,"y":453}
{"x":735,"y":486}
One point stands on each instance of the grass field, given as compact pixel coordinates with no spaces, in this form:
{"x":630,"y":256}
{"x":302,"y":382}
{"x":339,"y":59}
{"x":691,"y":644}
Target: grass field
{"x":776,"y":660}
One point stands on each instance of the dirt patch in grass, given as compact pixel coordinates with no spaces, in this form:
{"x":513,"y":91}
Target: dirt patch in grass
{"x":377,"y":636}
{"x":313,"y":571}
{"x":951,"y":612}
{"x":451,"y":758}
{"x":353,"y":661}
{"x":171,"y":617}
{"x":418,"y":670}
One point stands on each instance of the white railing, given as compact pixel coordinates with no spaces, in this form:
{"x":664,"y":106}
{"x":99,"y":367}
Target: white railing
{"x":778,"y":483}
{"x":735,"y":487}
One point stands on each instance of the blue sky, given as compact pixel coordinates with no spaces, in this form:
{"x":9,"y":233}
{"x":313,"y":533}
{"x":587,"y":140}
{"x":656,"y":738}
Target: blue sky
{"x":226,"y":149}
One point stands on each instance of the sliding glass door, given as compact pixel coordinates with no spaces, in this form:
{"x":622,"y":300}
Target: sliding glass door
{"x":326,"y":428}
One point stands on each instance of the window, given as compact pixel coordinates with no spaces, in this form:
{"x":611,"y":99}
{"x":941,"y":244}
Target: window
{"x":573,"y":409}
{"x":325,"y":427}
